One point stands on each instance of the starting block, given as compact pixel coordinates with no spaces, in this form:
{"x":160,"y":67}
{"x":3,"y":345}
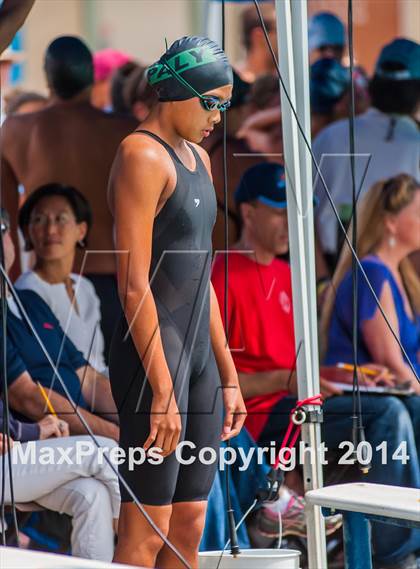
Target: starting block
{"x":360,"y":503}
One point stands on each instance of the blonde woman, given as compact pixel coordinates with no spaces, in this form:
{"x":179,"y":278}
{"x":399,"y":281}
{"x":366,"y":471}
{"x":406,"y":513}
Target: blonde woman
{"x":388,"y":231}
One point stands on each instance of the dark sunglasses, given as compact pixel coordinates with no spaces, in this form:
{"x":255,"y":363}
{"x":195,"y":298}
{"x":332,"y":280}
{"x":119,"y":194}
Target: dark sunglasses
{"x":4,"y":226}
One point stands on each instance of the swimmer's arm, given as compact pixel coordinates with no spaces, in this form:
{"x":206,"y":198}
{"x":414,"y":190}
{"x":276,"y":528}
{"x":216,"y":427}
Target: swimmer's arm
{"x":96,"y":391}
{"x":138,"y":179}
{"x":235,"y":410}
{"x":227,"y":370}
{"x":224,"y":360}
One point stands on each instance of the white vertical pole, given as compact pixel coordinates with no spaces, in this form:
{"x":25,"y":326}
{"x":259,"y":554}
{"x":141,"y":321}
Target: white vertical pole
{"x":213,"y":21}
{"x":293,"y":62}
{"x":301,"y":66}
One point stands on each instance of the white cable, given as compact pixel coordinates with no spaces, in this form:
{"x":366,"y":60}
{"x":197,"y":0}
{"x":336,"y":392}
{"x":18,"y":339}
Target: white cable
{"x":280,"y":530}
{"x":241,"y":521}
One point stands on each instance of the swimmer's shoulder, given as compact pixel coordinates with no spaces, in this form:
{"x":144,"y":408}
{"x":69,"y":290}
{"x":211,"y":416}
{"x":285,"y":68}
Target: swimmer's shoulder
{"x":145,"y":150}
{"x":141,"y":164}
{"x":204,"y":157}
{"x":141,"y":157}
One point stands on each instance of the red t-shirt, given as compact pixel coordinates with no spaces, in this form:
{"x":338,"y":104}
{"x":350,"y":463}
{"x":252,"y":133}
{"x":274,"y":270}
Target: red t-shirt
{"x":260,"y":318}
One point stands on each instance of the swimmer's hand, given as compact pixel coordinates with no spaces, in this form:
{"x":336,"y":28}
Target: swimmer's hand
{"x":235,"y":412}
{"x":165,"y":424}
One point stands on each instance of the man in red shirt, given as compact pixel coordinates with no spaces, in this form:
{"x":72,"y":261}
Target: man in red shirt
{"x":260,"y":313}
{"x":261,"y":339}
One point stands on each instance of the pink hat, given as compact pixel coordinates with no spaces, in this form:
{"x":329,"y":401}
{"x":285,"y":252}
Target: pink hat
{"x":106,"y":61}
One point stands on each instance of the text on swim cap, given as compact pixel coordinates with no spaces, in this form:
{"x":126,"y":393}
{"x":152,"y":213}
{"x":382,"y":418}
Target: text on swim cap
{"x":180,"y":62}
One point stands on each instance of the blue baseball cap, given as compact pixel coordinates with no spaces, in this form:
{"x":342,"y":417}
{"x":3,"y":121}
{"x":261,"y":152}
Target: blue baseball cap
{"x":329,"y":81}
{"x":399,"y":60}
{"x":325,"y":29}
{"x":265,"y":183}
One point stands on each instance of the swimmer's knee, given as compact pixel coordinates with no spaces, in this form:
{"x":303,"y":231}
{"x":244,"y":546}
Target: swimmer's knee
{"x":188,"y":519}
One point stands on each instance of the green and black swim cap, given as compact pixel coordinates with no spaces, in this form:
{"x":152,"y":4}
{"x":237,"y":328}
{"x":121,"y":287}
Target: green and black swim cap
{"x":198,"y":61}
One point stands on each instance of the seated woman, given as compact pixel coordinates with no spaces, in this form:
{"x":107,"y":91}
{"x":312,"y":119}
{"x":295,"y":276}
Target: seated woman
{"x":55,"y":220}
{"x":86,"y":489}
{"x":388,"y":231}
{"x":29,"y":362}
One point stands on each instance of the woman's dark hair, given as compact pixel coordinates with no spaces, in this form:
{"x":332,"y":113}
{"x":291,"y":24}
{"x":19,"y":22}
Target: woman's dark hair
{"x":119,"y":80}
{"x":77,"y":201}
{"x":137,"y":89}
{"x":392,"y":96}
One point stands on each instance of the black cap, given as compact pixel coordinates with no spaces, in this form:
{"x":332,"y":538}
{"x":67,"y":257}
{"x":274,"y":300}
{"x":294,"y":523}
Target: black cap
{"x":265,"y":183}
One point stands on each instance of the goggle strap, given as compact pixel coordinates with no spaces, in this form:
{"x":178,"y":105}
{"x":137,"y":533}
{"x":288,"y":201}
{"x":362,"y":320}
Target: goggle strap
{"x":180,"y":79}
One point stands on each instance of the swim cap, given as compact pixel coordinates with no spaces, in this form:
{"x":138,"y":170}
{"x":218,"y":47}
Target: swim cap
{"x":106,"y":61}
{"x":199,"y":61}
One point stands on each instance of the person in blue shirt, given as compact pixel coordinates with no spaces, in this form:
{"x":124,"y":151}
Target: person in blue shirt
{"x":27,"y":364}
{"x":388,"y":231}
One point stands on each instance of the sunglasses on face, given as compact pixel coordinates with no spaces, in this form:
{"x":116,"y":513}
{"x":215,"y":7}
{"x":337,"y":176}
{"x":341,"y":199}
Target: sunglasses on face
{"x":4,"y":226}
{"x":208,"y":102}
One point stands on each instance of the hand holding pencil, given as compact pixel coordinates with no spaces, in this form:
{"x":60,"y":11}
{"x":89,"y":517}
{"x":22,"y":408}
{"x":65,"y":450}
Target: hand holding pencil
{"x":375,"y":373}
{"x":51,"y":425}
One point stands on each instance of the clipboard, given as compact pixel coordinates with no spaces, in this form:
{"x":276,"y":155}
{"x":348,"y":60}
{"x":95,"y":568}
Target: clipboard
{"x":376,"y":389}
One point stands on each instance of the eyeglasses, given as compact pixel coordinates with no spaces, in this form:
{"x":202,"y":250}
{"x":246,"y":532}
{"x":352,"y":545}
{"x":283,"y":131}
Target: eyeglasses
{"x":208,"y":102}
{"x":42,"y":219}
{"x":4,"y":226}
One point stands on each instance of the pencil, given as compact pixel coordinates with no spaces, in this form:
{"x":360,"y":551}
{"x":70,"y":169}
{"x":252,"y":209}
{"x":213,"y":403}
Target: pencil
{"x":350,"y":367}
{"x":47,"y":401}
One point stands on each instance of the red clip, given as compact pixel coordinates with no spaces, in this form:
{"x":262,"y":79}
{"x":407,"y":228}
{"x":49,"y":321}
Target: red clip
{"x":294,"y":428}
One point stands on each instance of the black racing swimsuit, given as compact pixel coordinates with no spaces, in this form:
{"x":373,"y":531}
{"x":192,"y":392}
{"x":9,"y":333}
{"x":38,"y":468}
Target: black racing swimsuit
{"x":180,"y":282}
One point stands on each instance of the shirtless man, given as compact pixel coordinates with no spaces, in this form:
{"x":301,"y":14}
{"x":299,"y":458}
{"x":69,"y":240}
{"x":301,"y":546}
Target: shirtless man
{"x":72,"y":143}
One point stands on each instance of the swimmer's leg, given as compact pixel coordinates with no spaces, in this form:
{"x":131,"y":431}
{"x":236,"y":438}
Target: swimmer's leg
{"x":153,"y":484}
{"x":204,"y":428}
{"x":138,"y":544}
{"x":186,"y":528}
